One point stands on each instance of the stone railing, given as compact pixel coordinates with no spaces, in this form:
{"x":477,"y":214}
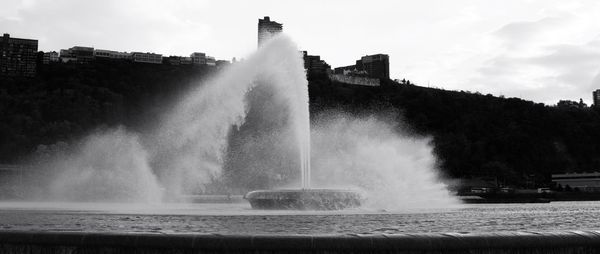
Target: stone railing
{"x":507,"y":242}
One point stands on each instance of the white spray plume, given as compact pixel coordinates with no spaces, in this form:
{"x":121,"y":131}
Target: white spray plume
{"x":394,"y":170}
{"x":186,"y":152}
{"x":191,"y":142}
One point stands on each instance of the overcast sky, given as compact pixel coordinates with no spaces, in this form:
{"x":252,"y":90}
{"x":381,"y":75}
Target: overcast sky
{"x":541,"y":50}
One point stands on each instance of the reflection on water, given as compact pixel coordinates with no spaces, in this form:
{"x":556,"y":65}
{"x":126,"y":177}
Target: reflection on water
{"x":240,"y":219}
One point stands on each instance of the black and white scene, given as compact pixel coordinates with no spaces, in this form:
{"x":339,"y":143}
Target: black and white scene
{"x":338,"y":126}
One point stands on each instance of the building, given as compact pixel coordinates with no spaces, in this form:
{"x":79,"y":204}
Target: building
{"x":50,"y":57}
{"x":374,"y":66}
{"x":184,"y":60}
{"x":65,"y":56}
{"x":173,"y":60}
{"x":211,"y":61}
{"x":111,"y":54}
{"x":571,"y":104}
{"x":267,"y":28}
{"x":596,"y":97}
{"x":314,"y":65}
{"x":198,"y":58}
{"x":178,"y":60}
{"x":152,"y":58}
{"x":77,"y":54}
{"x":587,"y":182}
{"x":17,"y":56}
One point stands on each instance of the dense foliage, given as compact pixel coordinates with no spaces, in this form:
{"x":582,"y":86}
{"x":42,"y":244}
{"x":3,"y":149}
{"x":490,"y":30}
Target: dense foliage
{"x":66,"y":101}
{"x":518,"y":141}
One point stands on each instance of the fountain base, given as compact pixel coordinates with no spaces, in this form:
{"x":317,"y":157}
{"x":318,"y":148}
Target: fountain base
{"x":304,"y":199}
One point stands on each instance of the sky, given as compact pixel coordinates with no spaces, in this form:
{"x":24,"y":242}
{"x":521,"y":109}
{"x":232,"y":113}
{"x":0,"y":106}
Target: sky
{"x":540,"y":50}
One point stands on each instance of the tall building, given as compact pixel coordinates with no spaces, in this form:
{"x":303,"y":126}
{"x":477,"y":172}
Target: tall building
{"x":267,"y":28}
{"x":596,"y":95}
{"x":17,"y":56}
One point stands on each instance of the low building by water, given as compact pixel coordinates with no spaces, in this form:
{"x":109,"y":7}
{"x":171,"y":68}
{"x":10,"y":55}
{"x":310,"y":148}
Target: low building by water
{"x":587,"y":182}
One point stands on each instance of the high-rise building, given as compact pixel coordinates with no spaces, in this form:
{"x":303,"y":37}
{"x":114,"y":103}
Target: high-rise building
{"x":596,"y":95}
{"x":267,"y":28}
{"x":17,"y":56}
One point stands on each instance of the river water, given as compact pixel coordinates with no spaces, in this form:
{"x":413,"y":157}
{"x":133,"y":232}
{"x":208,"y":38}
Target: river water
{"x":240,"y":219}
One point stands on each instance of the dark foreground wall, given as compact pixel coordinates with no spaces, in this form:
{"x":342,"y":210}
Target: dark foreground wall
{"x":512,"y":242}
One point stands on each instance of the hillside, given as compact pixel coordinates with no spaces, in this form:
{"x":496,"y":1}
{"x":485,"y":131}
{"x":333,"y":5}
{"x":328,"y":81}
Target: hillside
{"x":519,"y":141}
{"x":66,"y":101}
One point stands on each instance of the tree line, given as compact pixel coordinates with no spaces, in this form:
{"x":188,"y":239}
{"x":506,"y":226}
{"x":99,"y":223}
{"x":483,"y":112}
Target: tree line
{"x":519,"y":142}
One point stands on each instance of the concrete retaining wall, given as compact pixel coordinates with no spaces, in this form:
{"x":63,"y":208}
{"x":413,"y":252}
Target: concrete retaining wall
{"x":513,"y":242}
{"x":361,"y":81}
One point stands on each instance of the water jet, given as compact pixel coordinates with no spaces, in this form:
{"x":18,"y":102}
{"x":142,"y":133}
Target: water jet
{"x":304,"y":198}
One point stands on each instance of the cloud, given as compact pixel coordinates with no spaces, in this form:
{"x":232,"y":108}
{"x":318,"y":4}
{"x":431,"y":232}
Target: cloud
{"x":122,"y":25}
{"x":544,"y":60}
{"x":542,"y":50}
{"x":519,"y":33}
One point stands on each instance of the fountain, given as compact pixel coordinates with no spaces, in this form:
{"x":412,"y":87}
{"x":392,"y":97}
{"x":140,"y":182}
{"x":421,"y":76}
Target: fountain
{"x":305,"y":197}
{"x":203,"y":143}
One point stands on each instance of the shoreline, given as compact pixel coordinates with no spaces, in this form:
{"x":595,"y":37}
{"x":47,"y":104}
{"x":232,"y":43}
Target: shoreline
{"x":491,"y":198}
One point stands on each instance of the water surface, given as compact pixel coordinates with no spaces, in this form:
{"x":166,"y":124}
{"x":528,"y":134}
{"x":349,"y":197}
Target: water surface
{"x":240,"y":219}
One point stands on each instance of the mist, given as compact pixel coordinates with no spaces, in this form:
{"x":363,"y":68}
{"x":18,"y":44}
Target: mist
{"x":247,"y":128}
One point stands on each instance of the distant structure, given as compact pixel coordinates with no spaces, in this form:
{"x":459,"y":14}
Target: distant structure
{"x":373,"y":66}
{"x":77,"y":54}
{"x":198,"y":58}
{"x":314,"y":65}
{"x":211,"y":61}
{"x":586,"y":182}
{"x":111,"y":54}
{"x":17,"y":56}
{"x":596,"y":97}
{"x":50,"y":57}
{"x":267,"y":28}
{"x":152,"y":58}
{"x":571,"y":104}
{"x":178,"y":60}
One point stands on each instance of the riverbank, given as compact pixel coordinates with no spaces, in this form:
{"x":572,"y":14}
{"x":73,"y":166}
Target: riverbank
{"x":478,"y":198}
